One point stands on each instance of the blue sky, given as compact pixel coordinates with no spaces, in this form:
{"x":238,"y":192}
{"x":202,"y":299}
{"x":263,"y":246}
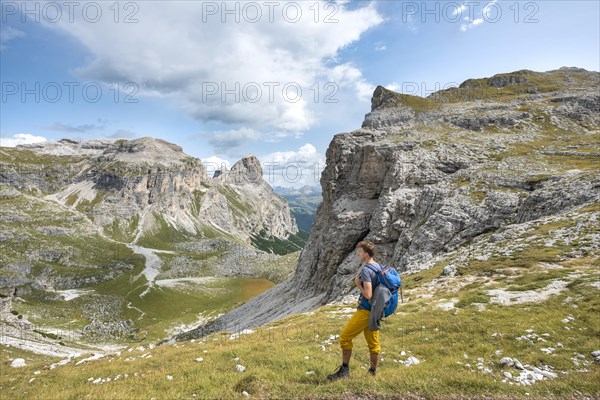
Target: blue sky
{"x":180,"y":55}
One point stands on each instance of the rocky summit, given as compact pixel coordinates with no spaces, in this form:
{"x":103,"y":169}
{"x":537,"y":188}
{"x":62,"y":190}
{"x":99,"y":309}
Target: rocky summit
{"x":466,"y":174}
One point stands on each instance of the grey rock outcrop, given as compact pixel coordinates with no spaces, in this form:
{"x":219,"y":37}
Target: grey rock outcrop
{"x":423,"y":176}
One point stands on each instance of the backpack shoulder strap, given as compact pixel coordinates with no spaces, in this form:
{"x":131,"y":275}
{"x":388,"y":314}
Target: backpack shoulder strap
{"x":372,"y":268}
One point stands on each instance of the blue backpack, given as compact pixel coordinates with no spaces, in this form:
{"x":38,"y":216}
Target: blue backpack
{"x":389,"y":277}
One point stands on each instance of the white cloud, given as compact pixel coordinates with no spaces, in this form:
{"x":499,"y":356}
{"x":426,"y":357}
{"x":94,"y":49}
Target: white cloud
{"x":459,"y":10}
{"x":471,"y":24}
{"x":82,"y":128}
{"x":410,"y":23}
{"x":489,"y":10}
{"x":305,"y":154}
{"x":172,"y":52}
{"x":346,"y":75}
{"x":230,"y":142}
{"x":20,"y":138}
{"x":295,"y":117}
{"x":7,"y":34}
{"x":293,"y":168}
{"x":488,"y":13}
{"x":392,"y":86}
{"x":380,"y":46}
{"x":215,"y":163}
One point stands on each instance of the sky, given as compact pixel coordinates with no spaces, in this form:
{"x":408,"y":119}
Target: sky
{"x":272,"y":79}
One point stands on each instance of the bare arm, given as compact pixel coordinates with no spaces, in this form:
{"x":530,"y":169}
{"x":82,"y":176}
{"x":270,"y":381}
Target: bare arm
{"x":365,"y":288}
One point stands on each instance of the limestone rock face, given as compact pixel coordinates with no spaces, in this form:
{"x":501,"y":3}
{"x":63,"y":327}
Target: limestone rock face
{"x":146,"y":149}
{"x":141,"y":187}
{"x":423,"y":176}
{"x":246,"y":170}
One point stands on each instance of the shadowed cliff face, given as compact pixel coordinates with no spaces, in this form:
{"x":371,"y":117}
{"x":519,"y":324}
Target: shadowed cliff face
{"x":423,"y":176}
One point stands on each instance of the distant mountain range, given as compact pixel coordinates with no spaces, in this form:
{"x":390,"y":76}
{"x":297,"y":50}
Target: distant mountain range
{"x":303,"y":202}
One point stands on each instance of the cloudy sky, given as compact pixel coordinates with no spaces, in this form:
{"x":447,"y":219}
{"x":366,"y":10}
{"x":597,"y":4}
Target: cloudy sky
{"x":269,"y":78}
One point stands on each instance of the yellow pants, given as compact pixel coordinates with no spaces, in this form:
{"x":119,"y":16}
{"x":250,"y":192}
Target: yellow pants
{"x":357,"y":324}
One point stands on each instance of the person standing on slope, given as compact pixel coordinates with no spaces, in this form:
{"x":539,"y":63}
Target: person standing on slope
{"x":359,"y":322}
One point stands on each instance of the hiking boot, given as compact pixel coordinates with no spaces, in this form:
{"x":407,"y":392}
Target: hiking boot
{"x":372,"y":371}
{"x":342,"y":372}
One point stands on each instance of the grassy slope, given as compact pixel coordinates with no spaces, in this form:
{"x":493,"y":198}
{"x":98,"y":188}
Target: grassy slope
{"x":93,"y":256}
{"x":272,"y":244}
{"x":537,"y":82}
{"x":276,"y":363}
{"x":163,"y":307}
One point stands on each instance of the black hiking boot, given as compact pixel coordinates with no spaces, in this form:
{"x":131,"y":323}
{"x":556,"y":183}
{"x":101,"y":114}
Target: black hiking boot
{"x":372,"y":370}
{"x":342,"y":372}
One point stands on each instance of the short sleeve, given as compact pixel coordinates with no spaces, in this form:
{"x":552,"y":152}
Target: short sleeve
{"x":365,"y":275}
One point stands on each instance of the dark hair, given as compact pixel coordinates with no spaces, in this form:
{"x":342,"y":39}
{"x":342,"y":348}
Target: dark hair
{"x":367,"y":247}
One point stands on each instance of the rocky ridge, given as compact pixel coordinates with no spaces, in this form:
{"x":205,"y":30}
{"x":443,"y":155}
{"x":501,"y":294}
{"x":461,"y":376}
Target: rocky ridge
{"x":424,"y":177}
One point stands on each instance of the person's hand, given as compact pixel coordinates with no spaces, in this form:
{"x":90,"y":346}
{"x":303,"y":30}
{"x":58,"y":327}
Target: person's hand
{"x":357,"y":280}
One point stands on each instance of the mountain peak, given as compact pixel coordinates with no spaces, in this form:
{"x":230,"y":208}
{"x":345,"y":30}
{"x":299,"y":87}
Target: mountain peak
{"x":392,"y":108}
{"x":146,"y":150}
{"x":140,"y":150}
{"x":149,"y":141}
{"x":246,"y":170}
{"x":383,"y":97}
{"x":386,"y":98}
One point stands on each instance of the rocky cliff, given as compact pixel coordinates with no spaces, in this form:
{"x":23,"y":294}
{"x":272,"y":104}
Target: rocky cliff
{"x":134,"y":188}
{"x":68,"y":207}
{"x":303,"y":202}
{"x":429,"y":178}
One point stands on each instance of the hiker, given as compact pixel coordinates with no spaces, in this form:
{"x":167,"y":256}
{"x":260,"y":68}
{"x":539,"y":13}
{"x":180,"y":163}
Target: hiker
{"x":360,"y":320}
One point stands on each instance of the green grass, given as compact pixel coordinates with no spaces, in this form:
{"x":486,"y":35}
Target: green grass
{"x":417,"y":103}
{"x":521,"y":259}
{"x":592,"y":207}
{"x":87,"y":206}
{"x":164,"y":237}
{"x":537,"y":279}
{"x":122,"y":230}
{"x":164,"y":307}
{"x":275,"y":358}
{"x":30,"y":164}
{"x":197,"y":204}
{"x":14,"y":155}
{"x":48,"y":334}
{"x":72,"y":199}
{"x":272,"y":244}
{"x":477,"y":195}
{"x":276,"y":366}
{"x":470,"y":297}
{"x":541,"y":82}
{"x":236,"y":204}
{"x":299,"y":238}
